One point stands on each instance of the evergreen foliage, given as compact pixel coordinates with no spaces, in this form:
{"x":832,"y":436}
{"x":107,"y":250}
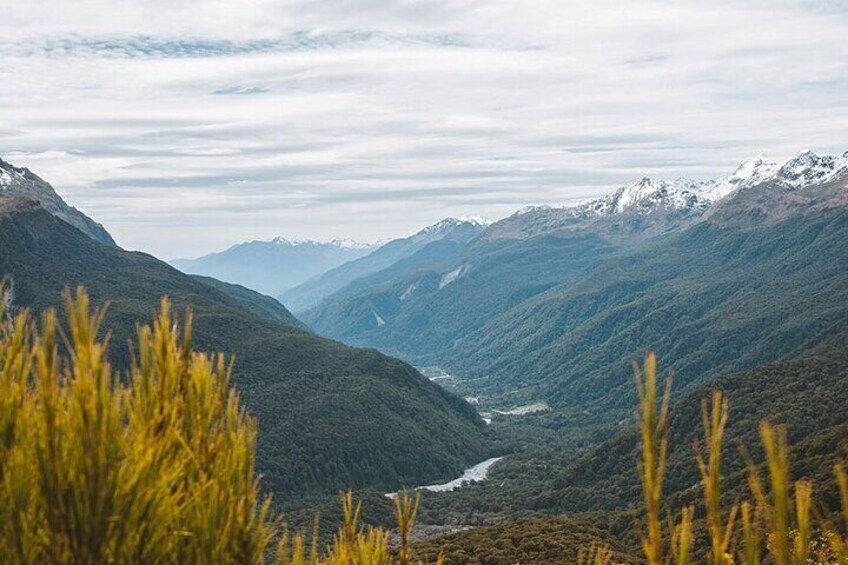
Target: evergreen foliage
{"x":777,"y":509}
{"x":331,"y":417}
{"x":155,"y":466}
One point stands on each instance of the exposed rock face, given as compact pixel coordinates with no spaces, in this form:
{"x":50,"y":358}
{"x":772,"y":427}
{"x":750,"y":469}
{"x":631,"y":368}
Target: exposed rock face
{"x":21,"y":182}
{"x":653,"y":206}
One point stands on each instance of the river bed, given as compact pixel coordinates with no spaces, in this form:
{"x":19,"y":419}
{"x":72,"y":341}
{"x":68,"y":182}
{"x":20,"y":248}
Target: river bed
{"x":475,"y":474}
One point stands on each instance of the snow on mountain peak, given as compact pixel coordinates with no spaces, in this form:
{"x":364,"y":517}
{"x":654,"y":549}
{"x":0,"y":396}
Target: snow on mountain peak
{"x":10,"y":174}
{"x":345,"y":243}
{"x":534,"y":208}
{"x":758,"y":167}
{"x":647,"y":194}
{"x":475,"y":220}
{"x":645,"y":189}
{"x":751,"y":172}
{"x":450,"y":223}
{"x":808,"y":168}
{"x":340,"y":243}
{"x":805,"y":169}
{"x":644,"y":195}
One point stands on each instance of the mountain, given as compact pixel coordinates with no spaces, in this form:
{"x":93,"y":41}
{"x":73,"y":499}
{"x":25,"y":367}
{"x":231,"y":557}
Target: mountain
{"x":310,"y":293}
{"x":256,"y":303}
{"x":600,"y":486}
{"x":20,"y":181}
{"x":272,"y":267}
{"x":652,"y":207}
{"x":330,"y":417}
{"x":552,"y":304}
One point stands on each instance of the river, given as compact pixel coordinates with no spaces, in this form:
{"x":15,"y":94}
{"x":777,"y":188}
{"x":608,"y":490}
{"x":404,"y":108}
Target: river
{"x":475,"y":474}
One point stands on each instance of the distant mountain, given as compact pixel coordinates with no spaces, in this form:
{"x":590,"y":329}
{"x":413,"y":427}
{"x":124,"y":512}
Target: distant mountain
{"x":552,"y":304}
{"x":258,"y":304}
{"x":272,"y":267}
{"x":652,"y":207}
{"x":330,"y":417}
{"x":20,"y":181}
{"x":311,"y":292}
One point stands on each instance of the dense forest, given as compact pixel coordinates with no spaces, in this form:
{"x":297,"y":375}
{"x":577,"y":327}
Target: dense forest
{"x":372,"y":421}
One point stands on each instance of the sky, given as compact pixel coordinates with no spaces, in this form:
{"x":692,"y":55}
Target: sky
{"x":185,"y":126}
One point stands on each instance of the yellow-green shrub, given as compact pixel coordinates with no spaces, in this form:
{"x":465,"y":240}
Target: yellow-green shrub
{"x":152,"y":466}
{"x":776,"y":526}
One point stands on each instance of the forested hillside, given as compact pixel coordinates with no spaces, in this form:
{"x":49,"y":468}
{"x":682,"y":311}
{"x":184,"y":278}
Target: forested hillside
{"x":259,"y":304}
{"x":809,"y":395}
{"x":557,"y":315}
{"x":330,"y":416}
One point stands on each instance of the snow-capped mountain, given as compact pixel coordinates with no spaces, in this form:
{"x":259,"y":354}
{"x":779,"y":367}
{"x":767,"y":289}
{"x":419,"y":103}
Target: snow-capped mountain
{"x":339,"y":243}
{"x":648,"y":195}
{"x":272,"y":267}
{"x":758,"y":170}
{"x":644,"y":196}
{"x":449,"y":233}
{"x":808,"y":169}
{"x":665,"y":204}
{"x":21,"y":182}
{"x":444,"y":226}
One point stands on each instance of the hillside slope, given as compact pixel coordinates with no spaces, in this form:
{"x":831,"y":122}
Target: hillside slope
{"x":430,"y":311}
{"x":330,"y":417}
{"x":21,"y":182}
{"x":272,"y":267}
{"x":337,"y":281}
{"x":259,"y":304}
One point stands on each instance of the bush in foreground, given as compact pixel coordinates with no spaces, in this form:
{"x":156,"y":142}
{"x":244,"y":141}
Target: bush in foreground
{"x":155,"y":466}
{"x":778,"y":525}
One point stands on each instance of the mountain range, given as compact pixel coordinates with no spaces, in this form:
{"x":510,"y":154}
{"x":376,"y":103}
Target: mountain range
{"x":331,"y":417}
{"x":554,"y":302}
{"x":738,"y":283}
{"x":273,"y":267}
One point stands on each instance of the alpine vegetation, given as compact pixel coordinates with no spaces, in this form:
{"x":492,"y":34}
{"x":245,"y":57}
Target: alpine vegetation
{"x":152,"y":466}
{"x":779,"y":522}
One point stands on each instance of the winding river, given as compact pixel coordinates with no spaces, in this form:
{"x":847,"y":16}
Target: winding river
{"x":475,"y":474}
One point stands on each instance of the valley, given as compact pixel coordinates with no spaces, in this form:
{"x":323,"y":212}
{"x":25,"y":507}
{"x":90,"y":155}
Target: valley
{"x":424,"y":282}
{"x":555,"y":304}
{"x":520,"y":410}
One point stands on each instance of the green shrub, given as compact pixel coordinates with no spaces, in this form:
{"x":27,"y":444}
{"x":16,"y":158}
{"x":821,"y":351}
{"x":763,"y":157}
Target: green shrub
{"x":155,"y":466}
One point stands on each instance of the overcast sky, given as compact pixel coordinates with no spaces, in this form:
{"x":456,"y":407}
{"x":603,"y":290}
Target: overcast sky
{"x":188,"y":125}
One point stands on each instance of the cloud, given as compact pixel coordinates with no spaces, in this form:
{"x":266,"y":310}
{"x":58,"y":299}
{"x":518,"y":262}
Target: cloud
{"x":297,"y":41}
{"x":372,"y":118}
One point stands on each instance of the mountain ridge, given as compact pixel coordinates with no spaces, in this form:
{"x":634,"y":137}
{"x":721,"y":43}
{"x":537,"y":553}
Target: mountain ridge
{"x":311,"y":292}
{"x":20,"y":181}
{"x":271,"y":267}
{"x":679,"y":201}
{"x":319,"y":403}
